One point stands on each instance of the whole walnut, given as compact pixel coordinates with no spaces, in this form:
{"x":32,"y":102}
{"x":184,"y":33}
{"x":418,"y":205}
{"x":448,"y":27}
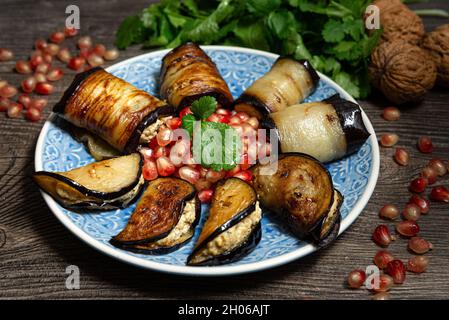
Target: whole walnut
{"x":399,"y":22}
{"x":402,"y":71}
{"x":437,"y":44}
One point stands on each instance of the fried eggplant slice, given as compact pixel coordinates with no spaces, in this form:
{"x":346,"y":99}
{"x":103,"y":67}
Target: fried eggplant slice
{"x":97,"y":147}
{"x":112,"y":109}
{"x":288,"y":82}
{"x":187,"y":74}
{"x":105,"y":185}
{"x":164,"y":219}
{"x":232,"y":229}
{"x":327,"y":130}
{"x":299,"y":189}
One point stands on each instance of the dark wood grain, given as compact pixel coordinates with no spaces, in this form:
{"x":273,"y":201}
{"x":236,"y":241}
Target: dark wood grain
{"x":35,"y":248}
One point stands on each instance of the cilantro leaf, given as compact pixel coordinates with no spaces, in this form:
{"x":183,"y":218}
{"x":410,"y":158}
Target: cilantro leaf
{"x":129,"y":32}
{"x":188,"y":122}
{"x":333,"y":31}
{"x":204,"y":107}
{"x":262,"y":7}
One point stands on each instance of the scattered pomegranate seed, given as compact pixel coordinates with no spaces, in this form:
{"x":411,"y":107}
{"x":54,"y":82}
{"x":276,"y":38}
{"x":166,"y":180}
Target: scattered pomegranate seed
{"x":174,"y":123}
{"x":407,"y":228}
{"x":28,"y":84}
{"x":439,"y":194}
{"x":430,"y":174}
{"x":57,"y":37}
{"x":3,"y":83}
{"x":401,"y":156}
{"x":33,"y":114}
{"x":149,"y":170}
{"x":412,"y":212}
{"x":382,"y":235}
{"x":391,"y":114}
{"x":381,"y":296}
{"x":76,"y":63}
{"x":38,"y":103}
{"x":95,"y":60}
{"x":85,"y":53}
{"x":425,"y":144}
{"x":419,"y":245}
{"x":385,"y":283}
{"x":189,"y":174}
{"x":438,"y":166}
{"x":111,"y":54}
{"x":42,"y":68}
{"x":396,"y":270}
{"x":356,"y":279}
{"x":244,"y":175}
{"x":40,"y":44}
{"x":205,"y":196}
{"x":52,"y":49}
{"x":70,"y":32}
{"x":4,"y":104}
{"x":14,"y":110}
{"x":23,"y":67}
{"x":64,"y":55}
{"x":422,"y":203}
{"x":389,"y":139}
{"x":164,"y":166}
{"x":44,"y":88}
{"x":418,"y":264}
{"x":8,"y":91}
{"x":5,"y":54}
{"x":382,"y":258}
{"x":99,"y":50}
{"x":55,"y":74}
{"x":389,"y":211}
{"x":48,"y":58}
{"x":25,"y":100}
{"x":40,"y":77}
{"x":418,"y":185}
{"x":85,"y":42}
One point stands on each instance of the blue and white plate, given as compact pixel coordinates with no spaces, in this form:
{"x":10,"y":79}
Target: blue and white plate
{"x":354,"y":176}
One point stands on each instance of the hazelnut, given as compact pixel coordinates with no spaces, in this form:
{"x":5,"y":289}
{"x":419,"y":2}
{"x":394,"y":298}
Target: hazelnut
{"x":436,"y":43}
{"x":402,"y":71}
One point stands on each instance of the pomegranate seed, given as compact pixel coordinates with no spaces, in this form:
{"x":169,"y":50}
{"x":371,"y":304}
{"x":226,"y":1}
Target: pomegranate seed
{"x":382,"y":236}
{"x":202,"y":184}
{"x":407,"y":228}
{"x":174,"y":123}
{"x":33,"y":114}
{"x":99,"y":50}
{"x":223,"y":112}
{"x":440,"y":194}
{"x":422,"y":203}
{"x":233,"y":171}
{"x":185,"y":112}
{"x":164,"y":136}
{"x":418,"y":185}
{"x":419,"y":245}
{"x":161,"y":152}
{"x":382,"y":258}
{"x":40,"y":77}
{"x":52,"y":49}
{"x":3,"y":83}
{"x":14,"y":110}
{"x":381,"y":296}
{"x":205,"y":196}
{"x":85,"y":42}
{"x":76,"y":63}
{"x":64,"y":55}
{"x":430,"y":174}
{"x":385,"y":283}
{"x":164,"y":166}
{"x":234,"y":120}
{"x":213,"y":118}
{"x":389,"y":211}
{"x":396,"y":270}
{"x":5,"y":54}
{"x":38,"y":103}
{"x":55,"y":74}
{"x":70,"y":32}
{"x":48,"y":58}
{"x":149,"y":170}
{"x":95,"y":60}
{"x":391,"y":114}
{"x":42,"y":68}
{"x":425,"y":144}
{"x":253,"y":122}
{"x":214,"y":176}
{"x":356,"y":279}
{"x":25,"y":100}
{"x":245,"y":175}
{"x":23,"y":67}
{"x":438,"y":166}
{"x":147,"y":153}
{"x":35,"y":61}
{"x":418,"y":264}
{"x":111,"y":54}
{"x":412,"y":212}
{"x":389,"y":140}
{"x":57,"y":37}
{"x":85,"y":53}
{"x":8,"y":91}
{"x":40,"y":44}
{"x":28,"y":84}
{"x":401,"y":156}
{"x":4,"y":104}
{"x":189,"y":174}
{"x":44,"y":88}
{"x":243,"y":116}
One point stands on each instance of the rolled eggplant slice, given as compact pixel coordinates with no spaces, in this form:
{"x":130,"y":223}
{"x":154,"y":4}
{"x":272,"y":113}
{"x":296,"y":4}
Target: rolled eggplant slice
{"x":104,"y":185}
{"x":187,"y":73}
{"x":301,"y":192}
{"x":232,"y":229}
{"x":327,"y":130}
{"x":112,"y":109}
{"x":288,"y":82}
{"x":164,"y":219}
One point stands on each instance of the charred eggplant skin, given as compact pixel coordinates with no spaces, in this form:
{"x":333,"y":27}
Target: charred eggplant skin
{"x":188,"y":73}
{"x":331,"y":235}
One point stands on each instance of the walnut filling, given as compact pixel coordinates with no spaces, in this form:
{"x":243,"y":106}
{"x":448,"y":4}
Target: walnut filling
{"x":151,"y":131}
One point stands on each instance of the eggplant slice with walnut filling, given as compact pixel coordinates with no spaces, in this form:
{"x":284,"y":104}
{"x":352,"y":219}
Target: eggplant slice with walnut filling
{"x":187,"y":74}
{"x":114,"y":110}
{"x":327,"y":130}
{"x":104,"y":185}
{"x":232,"y":229}
{"x":288,"y":82}
{"x":164,"y":219}
{"x":300,"y":190}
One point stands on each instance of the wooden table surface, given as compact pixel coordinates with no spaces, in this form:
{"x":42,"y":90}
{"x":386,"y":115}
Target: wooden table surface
{"x":35,"y":248}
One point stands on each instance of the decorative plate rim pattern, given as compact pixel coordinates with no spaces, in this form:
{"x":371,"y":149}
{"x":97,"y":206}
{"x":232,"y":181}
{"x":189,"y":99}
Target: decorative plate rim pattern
{"x":226,"y":269}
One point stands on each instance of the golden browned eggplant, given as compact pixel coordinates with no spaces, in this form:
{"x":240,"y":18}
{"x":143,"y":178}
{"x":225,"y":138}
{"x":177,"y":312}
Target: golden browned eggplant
{"x":187,"y":73}
{"x":327,"y":130}
{"x":112,"y":109}
{"x":289,"y":81}
{"x":232,"y":229}
{"x":104,"y":185}
{"x":164,"y":219}
{"x":300,"y":190}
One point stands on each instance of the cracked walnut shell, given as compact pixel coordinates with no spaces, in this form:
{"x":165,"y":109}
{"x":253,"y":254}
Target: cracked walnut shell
{"x":436,"y":43}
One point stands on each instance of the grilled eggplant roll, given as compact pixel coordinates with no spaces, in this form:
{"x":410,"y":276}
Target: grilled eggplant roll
{"x":164,"y":219}
{"x":301,"y":192}
{"x":232,"y":229}
{"x":112,"y":109}
{"x":104,"y":185}
{"x":327,"y":130}
{"x":288,"y":82}
{"x":187,"y":73}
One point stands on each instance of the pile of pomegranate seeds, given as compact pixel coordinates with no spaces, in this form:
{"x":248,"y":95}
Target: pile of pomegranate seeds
{"x":40,"y":73}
